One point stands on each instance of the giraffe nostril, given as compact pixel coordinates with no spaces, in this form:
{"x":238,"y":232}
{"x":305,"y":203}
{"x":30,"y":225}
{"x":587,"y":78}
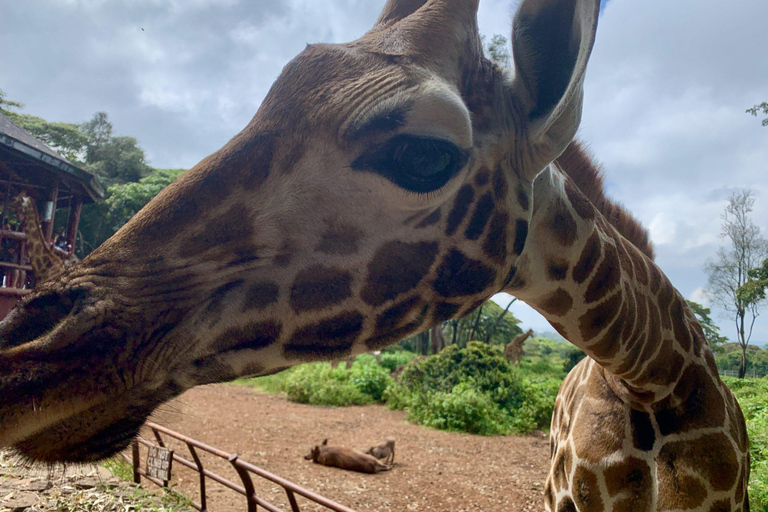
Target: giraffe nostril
{"x":36,"y":317}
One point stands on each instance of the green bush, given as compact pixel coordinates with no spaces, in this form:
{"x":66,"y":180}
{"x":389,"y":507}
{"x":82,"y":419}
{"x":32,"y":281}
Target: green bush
{"x":752,"y":395}
{"x":369,"y":377}
{"x":319,"y":384}
{"x":434,"y":389}
{"x":464,"y":409}
{"x":394,"y":360}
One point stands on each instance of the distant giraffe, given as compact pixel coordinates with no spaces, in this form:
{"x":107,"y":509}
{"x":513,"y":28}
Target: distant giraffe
{"x":46,"y":264}
{"x":384,"y":186}
{"x":513,"y":352}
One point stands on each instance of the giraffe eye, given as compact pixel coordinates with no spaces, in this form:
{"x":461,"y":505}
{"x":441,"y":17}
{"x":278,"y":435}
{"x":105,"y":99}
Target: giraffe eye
{"x":418,"y":164}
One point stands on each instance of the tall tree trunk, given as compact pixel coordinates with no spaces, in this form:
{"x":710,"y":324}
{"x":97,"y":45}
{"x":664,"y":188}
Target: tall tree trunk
{"x":438,"y":340}
{"x":492,"y":329}
{"x":743,"y":343}
{"x":475,"y":324}
{"x":455,"y":331}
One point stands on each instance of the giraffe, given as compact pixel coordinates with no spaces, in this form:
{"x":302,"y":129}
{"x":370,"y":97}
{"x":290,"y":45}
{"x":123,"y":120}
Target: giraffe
{"x":384,"y":186}
{"x":513,"y":351}
{"x":46,"y":264}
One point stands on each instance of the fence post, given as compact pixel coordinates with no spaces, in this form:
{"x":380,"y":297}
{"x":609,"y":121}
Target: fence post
{"x":136,"y":461}
{"x":250,"y":491}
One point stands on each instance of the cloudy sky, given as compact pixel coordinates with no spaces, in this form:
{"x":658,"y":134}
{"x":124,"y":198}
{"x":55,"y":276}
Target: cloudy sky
{"x":666,"y":91}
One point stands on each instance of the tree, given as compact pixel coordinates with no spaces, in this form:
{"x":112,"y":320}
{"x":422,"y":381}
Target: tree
{"x":759,"y":108}
{"x":498,"y":50}
{"x":6,"y":105}
{"x":754,"y":289}
{"x":728,"y":272}
{"x":113,"y":159}
{"x":711,"y":330}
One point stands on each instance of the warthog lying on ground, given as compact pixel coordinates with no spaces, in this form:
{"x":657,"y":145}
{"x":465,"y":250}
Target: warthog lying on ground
{"x":345,"y":458}
{"x":385,"y":450}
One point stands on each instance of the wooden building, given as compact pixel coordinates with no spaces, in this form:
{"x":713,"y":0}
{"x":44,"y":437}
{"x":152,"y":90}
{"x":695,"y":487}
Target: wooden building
{"x":58,"y":187}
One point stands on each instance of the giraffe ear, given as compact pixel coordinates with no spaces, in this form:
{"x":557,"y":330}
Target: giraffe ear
{"x":395,"y":10}
{"x":551,"y":43}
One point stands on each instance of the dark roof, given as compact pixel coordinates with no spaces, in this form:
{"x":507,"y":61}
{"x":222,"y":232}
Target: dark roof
{"x":16,"y":138}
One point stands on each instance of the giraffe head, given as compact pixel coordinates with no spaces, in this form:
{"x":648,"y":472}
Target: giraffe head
{"x":383,"y":186}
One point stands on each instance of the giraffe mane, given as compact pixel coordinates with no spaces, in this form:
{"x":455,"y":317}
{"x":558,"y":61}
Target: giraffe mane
{"x":588,"y":176}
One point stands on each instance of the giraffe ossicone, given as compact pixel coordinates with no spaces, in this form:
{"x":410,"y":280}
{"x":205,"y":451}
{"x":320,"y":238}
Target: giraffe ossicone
{"x":384,"y":186}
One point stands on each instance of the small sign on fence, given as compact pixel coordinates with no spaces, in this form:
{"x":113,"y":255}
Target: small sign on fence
{"x":159,"y":463}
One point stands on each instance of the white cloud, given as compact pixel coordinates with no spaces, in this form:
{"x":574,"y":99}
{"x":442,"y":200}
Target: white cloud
{"x":702,"y":296}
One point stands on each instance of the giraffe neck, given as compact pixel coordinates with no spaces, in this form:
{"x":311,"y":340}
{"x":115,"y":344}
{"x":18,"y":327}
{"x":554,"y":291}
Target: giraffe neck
{"x":45,"y":263}
{"x":605,"y":296}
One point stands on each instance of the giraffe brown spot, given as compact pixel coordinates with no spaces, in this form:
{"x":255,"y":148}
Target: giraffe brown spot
{"x":606,"y":277}
{"x":656,"y":278}
{"x":562,"y":225}
{"x":599,"y":317}
{"x":679,"y":491}
{"x":459,"y":275}
{"x":252,"y":336}
{"x":721,"y":506}
{"x":557,"y":303}
{"x":287,"y":159}
{"x":680,"y":325}
{"x":586,"y":491}
{"x":549,"y":496}
{"x":218,"y":297}
{"x":643,"y":435}
{"x":521,"y":233}
{"x":392,"y":317}
{"x":664,"y":301}
{"x":397,"y":267}
{"x":460,"y":208}
{"x":393,"y":336}
{"x":641,"y":269}
{"x":246,"y":162}
{"x":557,"y":270}
{"x":702,"y":404}
{"x":559,"y":328}
{"x":326,"y":339}
{"x":718,"y":464}
{"x":566,"y":505}
{"x":632,"y":476}
{"x":429,"y":220}
{"x":233,"y":227}
{"x":590,"y":255}
{"x":522,"y":199}
{"x":579,"y":202}
{"x":284,"y":255}
{"x":482,"y":177}
{"x":495,"y":245}
{"x":610,"y":343}
{"x":243,"y":256}
{"x":665,"y":369}
{"x":319,"y":287}
{"x":339,"y":240}
{"x":260,"y":295}
{"x":480,"y":217}
{"x":499,"y":183}
{"x":559,"y":472}
{"x":444,"y":311}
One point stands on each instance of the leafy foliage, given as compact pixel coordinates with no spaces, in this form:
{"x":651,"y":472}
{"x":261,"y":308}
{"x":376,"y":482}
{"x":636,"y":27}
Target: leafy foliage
{"x":757,"y":109}
{"x":513,"y":399}
{"x":711,"y":330}
{"x":498,"y":50}
{"x":752,"y":395}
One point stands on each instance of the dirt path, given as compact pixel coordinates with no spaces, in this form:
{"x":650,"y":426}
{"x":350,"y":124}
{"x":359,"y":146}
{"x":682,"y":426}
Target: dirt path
{"x":435,"y":471}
